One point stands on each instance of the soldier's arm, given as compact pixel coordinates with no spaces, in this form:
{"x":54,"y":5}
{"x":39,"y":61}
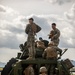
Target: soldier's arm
{"x":58,"y":49}
{"x":44,"y":54}
{"x":38,"y":28}
{"x":27,"y":29}
{"x":51,"y":34}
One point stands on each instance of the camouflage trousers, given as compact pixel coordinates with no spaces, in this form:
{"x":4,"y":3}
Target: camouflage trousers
{"x":31,"y":46}
{"x":56,"y":42}
{"x":29,"y":71}
{"x":51,"y":67}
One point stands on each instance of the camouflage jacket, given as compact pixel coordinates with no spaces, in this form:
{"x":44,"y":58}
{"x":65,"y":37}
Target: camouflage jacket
{"x":32,"y":29}
{"x":50,"y":52}
{"x":56,"y":35}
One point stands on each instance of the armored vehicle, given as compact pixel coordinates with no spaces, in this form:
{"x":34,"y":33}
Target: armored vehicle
{"x":16,"y":66}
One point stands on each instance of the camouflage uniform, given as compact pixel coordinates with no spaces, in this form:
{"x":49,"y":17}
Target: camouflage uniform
{"x":55,"y":37}
{"x":29,"y":71}
{"x":31,"y":30}
{"x":50,"y":53}
{"x":40,"y":44}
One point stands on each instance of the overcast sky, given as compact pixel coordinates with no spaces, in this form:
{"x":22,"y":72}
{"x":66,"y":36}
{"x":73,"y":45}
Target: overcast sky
{"x":13,"y":20}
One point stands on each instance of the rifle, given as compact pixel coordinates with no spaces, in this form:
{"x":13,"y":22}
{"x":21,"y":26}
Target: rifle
{"x":62,"y":53}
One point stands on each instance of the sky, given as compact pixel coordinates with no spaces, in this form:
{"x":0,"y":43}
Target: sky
{"x":14,"y":16}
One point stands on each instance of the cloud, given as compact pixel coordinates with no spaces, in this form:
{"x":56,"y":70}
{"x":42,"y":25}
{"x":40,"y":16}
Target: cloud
{"x":2,"y":8}
{"x":70,"y":15}
{"x":70,"y":19}
{"x":10,"y":35}
{"x":7,"y":13}
{"x":6,"y":54}
{"x":12,"y":31}
{"x":8,"y":39}
{"x":69,"y":54}
{"x":11,"y":40}
{"x":15,"y":31}
{"x":66,"y":39}
{"x":52,"y":1}
{"x":6,"y":25}
{"x":7,"y":10}
{"x":60,"y":2}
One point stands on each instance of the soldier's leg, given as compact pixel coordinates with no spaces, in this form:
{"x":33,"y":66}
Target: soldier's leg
{"x":52,"y":68}
{"x":30,"y":51}
{"x":33,"y":47}
{"x":48,"y":68}
{"x":34,"y":51}
{"x":56,"y":42}
{"x":29,"y":45}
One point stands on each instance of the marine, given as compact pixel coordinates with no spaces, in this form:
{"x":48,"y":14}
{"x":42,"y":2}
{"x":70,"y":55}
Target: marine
{"x":54,"y":34}
{"x":31,"y":30}
{"x":50,"y":53}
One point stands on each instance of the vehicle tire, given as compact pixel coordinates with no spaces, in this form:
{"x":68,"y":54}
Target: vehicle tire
{"x":6,"y":70}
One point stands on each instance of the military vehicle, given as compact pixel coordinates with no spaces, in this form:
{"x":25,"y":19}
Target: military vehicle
{"x":16,"y":66}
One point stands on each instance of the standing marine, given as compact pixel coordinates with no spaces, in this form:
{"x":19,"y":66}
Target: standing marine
{"x":54,"y":34}
{"x":31,"y":30}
